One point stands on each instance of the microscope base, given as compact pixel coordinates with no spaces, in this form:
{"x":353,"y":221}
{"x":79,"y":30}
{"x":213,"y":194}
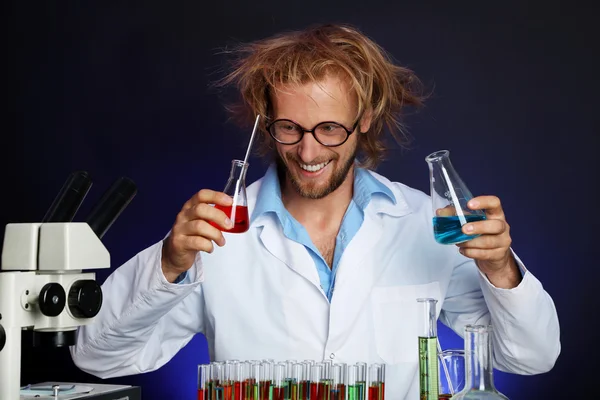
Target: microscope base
{"x":100,"y":392}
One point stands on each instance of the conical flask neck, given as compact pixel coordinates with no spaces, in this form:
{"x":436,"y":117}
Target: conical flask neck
{"x":439,"y":159}
{"x":238,"y":170}
{"x":479,"y":354}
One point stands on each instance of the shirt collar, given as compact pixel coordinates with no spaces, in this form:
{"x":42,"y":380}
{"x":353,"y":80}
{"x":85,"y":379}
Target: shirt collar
{"x":269,"y":194}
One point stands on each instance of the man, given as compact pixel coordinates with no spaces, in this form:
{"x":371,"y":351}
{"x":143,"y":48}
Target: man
{"x":335,"y":256}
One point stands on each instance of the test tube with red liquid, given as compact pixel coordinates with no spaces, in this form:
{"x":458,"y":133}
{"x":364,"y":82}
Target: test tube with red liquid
{"x":235,"y":376}
{"x":326,"y":378}
{"x":266,"y":380}
{"x":382,"y":382}
{"x":204,"y":376}
{"x":278,"y":386}
{"x":374,"y":384}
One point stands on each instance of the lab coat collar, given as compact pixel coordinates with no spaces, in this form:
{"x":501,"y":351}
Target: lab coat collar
{"x":295,"y":255}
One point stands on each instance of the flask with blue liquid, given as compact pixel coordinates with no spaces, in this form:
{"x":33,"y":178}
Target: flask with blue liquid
{"x":449,"y":197}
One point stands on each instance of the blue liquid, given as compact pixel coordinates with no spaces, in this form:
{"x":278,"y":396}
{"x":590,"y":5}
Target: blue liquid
{"x":447,"y":230}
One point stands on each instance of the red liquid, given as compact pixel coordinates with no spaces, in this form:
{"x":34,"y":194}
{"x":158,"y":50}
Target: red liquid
{"x":241,"y":219}
{"x":382,"y":391}
{"x":237,"y":391}
{"x":373,"y":392}
{"x":314,"y":391}
{"x":203,"y":394}
{"x":444,"y":396}
{"x":265,"y":388}
{"x":278,"y":393}
{"x":227,"y":392}
{"x":303,"y":390}
{"x":323,"y":391}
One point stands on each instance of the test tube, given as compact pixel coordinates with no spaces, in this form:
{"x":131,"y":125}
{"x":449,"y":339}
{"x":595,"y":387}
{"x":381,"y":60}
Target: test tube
{"x":204,"y":382}
{"x":246,"y":380}
{"x":296,"y":385}
{"x":327,"y":378}
{"x":278,"y":386}
{"x":352,"y":382}
{"x":316,"y":372}
{"x":288,"y":378}
{"x":374,"y":374}
{"x":338,"y":387}
{"x":382,"y":382}
{"x":218,"y":370}
{"x":361,"y":380}
{"x":306,"y":371}
{"x":429,"y":384}
{"x":236,"y":380}
{"x":266,"y":380}
{"x":255,"y":379}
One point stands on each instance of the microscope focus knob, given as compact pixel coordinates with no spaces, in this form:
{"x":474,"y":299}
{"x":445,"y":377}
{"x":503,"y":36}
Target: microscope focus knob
{"x":52,"y":299}
{"x":85,"y":298}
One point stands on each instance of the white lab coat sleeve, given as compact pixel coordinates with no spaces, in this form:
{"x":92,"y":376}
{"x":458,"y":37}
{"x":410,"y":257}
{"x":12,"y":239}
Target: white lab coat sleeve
{"x":144,"y":320}
{"x":526,"y":336}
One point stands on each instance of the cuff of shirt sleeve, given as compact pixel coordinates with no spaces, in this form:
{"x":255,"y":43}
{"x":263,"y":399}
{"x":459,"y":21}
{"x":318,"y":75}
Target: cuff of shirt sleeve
{"x":194,"y":275}
{"x":522,"y":269}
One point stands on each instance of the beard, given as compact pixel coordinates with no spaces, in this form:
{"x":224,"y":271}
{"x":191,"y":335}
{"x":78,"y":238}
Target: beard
{"x":311,"y":190}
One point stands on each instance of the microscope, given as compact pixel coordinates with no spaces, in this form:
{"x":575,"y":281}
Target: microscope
{"x":46,"y":288}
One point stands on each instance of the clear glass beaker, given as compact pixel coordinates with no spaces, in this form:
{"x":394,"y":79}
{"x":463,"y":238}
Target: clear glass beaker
{"x":236,"y":188}
{"x":479,"y":383}
{"x":449,"y":197}
{"x":451,"y":372}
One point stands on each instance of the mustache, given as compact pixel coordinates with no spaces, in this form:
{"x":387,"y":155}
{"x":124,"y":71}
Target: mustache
{"x":294,"y":157}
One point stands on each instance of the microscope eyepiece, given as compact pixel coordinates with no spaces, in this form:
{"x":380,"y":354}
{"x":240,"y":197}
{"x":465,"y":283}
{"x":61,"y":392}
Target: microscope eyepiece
{"x":110,"y":206}
{"x":69,"y":199}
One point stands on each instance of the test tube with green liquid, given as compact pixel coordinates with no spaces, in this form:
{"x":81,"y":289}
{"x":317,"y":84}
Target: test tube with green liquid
{"x":429,"y":383}
{"x":351,"y":382}
{"x":361,"y":380}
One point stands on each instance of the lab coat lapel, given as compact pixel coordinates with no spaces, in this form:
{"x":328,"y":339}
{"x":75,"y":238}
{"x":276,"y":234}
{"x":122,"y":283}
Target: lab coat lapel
{"x":354,"y":265}
{"x":289,"y":252}
{"x":362,"y":262}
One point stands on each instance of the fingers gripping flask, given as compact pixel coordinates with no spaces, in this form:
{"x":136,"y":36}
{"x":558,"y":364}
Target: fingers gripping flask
{"x":449,"y":197}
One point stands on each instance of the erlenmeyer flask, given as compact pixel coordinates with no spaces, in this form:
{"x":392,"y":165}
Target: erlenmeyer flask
{"x":449,"y":197}
{"x":236,"y":188}
{"x":480,"y":371}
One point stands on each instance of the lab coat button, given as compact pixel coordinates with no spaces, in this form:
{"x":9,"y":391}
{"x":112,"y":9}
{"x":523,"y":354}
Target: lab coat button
{"x":332,"y":356}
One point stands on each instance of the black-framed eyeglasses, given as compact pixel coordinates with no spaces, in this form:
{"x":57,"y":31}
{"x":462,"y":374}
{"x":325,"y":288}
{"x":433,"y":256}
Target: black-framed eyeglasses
{"x":328,"y":133}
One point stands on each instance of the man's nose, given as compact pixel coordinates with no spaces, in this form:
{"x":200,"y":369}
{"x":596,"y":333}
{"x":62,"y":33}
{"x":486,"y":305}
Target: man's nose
{"x":309,"y":148}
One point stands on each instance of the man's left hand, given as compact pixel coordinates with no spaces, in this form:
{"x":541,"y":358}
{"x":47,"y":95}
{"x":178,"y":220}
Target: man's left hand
{"x":491,"y":250}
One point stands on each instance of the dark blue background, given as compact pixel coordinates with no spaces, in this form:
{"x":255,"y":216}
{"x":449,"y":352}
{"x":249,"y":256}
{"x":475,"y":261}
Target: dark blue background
{"x":122,"y":89}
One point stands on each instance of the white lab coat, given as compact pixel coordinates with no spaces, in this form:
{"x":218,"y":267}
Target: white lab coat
{"x":260,"y":297}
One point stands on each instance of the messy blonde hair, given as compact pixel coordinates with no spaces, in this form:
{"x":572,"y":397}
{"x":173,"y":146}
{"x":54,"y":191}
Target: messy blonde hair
{"x":381,"y":87}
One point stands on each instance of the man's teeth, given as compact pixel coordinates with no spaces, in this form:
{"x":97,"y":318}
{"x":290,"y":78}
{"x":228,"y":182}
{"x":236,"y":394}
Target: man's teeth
{"x":313,"y":168}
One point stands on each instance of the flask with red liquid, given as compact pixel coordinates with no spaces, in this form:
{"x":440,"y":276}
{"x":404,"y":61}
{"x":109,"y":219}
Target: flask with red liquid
{"x":236,"y":189}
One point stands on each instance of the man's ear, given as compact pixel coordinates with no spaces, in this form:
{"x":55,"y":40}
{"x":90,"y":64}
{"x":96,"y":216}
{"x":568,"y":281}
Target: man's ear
{"x":365,"y":121}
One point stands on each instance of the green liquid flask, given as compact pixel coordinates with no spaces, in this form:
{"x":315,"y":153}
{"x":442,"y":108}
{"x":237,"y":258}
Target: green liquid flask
{"x":449,"y":197}
{"x":480,"y":372}
{"x":429,"y":383}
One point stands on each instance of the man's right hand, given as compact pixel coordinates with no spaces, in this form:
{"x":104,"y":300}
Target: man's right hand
{"x":192,"y":232}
